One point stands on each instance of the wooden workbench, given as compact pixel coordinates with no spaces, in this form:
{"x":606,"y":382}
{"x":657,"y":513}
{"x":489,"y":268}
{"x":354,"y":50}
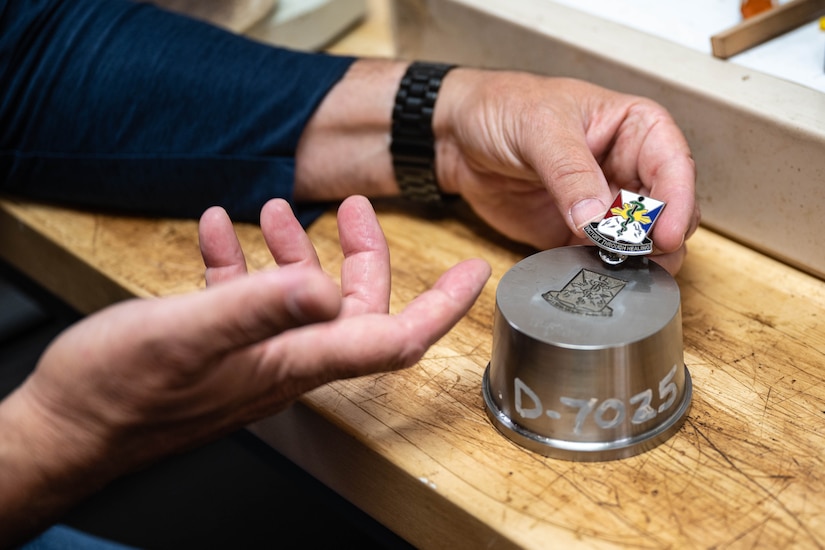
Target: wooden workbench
{"x":415,"y":448}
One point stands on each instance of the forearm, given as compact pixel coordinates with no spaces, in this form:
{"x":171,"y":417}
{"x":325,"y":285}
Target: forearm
{"x":345,"y":148}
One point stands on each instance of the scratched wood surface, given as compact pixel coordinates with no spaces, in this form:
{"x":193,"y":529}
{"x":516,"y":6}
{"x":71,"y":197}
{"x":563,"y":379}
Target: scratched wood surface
{"x":415,"y":448}
{"x":746,"y":470}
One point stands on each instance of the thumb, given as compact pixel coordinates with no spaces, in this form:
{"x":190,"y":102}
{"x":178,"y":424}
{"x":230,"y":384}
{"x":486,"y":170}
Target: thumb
{"x":247,"y":310}
{"x":574,"y":179}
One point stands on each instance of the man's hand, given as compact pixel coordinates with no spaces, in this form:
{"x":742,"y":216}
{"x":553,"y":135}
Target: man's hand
{"x":147,"y":378}
{"x":538,"y":158}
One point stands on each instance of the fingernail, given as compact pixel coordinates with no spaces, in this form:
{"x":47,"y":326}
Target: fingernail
{"x":586,"y":211}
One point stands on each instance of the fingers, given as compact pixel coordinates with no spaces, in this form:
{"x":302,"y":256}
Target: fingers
{"x":287,"y":241}
{"x":434,"y":312}
{"x":679,"y":219}
{"x":365,"y":273}
{"x":647,"y":150}
{"x":366,"y":344}
{"x":220,"y":249}
{"x":555,"y":144}
{"x":667,"y":169}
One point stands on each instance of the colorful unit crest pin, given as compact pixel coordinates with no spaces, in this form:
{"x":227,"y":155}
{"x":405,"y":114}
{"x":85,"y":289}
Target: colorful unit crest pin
{"x":624,"y":228}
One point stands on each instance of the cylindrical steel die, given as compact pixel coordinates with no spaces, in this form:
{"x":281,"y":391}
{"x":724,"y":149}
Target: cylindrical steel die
{"x":587,"y":358}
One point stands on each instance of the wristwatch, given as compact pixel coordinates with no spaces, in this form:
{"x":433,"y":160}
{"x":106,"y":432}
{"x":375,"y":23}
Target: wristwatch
{"x":413,"y":144}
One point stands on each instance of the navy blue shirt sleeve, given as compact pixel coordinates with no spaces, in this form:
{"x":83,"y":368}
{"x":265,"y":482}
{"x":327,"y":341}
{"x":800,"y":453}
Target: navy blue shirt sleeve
{"x":126,"y":107}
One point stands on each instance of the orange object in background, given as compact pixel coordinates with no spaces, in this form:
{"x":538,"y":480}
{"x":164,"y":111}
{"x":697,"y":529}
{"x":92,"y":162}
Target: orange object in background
{"x":749,"y":8}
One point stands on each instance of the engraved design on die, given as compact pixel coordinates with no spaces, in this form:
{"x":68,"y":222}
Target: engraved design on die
{"x":588,"y":293}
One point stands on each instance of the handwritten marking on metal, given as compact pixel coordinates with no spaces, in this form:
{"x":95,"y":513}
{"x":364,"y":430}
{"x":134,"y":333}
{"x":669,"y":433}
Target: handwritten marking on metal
{"x":610,"y":412}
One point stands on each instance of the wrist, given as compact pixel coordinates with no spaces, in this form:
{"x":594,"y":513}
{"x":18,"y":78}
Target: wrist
{"x":343,"y":149}
{"x":450,"y":97}
{"x":22,"y":484}
{"x":33,"y":489}
{"x":44,"y":467}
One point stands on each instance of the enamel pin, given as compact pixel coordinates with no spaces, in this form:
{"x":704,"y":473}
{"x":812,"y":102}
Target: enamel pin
{"x":623,"y":230}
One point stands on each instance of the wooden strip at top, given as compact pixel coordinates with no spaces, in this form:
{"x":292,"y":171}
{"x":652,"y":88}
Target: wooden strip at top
{"x":765,"y":26}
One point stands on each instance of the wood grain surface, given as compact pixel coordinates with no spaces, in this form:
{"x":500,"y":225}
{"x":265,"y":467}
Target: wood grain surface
{"x":765,"y":26}
{"x":415,"y":448}
{"x":746,"y":470}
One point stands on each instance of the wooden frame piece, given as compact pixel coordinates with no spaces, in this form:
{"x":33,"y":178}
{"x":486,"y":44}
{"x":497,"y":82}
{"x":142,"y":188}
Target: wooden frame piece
{"x":765,"y":26}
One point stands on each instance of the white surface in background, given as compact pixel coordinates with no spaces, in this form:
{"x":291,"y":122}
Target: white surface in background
{"x":798,"y":56}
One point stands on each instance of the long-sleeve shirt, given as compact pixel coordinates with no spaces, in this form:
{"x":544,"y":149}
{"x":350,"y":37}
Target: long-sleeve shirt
{"x":122,"y":106}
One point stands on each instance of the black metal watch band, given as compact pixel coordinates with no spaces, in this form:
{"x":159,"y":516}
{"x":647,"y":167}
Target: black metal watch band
{"x":413,"y":143}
